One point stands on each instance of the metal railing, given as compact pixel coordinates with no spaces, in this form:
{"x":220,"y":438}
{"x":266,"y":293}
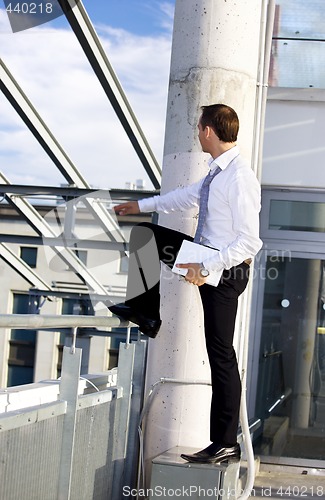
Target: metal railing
{"x":73,"y":438}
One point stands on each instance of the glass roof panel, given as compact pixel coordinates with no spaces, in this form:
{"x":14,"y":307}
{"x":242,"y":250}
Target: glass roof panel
{"x":298,"y":49}
{"x":301,"y":19}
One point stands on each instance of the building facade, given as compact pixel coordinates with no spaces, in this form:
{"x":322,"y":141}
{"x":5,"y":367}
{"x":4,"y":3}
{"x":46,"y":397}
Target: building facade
{"x":286,"y":384}
{"x":27,"y":355}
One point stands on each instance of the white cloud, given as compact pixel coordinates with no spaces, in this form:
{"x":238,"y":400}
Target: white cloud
{"x":167,"y":21}
{"x":54,"y":73}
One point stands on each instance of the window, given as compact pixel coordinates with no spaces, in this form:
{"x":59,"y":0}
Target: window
{"x":22,"y":346}
{"x":75,"y":306}
{"x":124,"y":263}
{"x":82,"y":255}
{"x":29,"y":255}
{"x":78,"y":306}
{"x":288,"y":215}
{"x":296,"y":214}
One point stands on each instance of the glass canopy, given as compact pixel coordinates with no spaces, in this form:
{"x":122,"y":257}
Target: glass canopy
{"x":298,"y":50}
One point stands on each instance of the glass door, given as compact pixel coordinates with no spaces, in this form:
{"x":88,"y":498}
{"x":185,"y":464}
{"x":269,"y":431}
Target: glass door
{"x":289,"y":395}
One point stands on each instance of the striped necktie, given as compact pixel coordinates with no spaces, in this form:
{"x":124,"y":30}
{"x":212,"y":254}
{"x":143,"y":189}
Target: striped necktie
{"x":204,"y":196}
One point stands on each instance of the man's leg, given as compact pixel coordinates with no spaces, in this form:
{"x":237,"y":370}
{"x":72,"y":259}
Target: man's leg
{"x":220,"y":308}
{"x":149,"y":244}
{"x":142,"y":291}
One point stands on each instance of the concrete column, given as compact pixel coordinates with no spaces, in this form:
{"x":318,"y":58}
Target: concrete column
{"x":214,"y":59}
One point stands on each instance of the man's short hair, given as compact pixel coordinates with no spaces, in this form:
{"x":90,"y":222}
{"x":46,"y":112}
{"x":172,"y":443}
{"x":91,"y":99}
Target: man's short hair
{"x":222,"y":119}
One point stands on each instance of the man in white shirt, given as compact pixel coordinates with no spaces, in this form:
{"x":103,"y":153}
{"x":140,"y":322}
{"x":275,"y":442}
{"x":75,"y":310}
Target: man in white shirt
{"x":228,"y":222}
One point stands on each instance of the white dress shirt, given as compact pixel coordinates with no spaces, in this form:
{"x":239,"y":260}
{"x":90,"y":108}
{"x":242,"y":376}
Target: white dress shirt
{"x":232,"y":221}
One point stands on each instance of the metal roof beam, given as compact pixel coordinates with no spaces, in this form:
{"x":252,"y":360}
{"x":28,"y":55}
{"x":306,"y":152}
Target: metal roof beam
{"x":70,"y":192}
{"x":69,"y":242}
{"x":91,"y":45}
{"x":46,"y":139}
{"x":43,"y":228}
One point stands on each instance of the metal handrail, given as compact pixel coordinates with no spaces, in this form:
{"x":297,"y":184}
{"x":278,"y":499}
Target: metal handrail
{"x":38,"y":321}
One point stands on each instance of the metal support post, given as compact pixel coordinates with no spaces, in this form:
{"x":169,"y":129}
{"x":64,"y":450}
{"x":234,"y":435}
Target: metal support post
{"x":68,"y":392}
{"x":82,"y":342}
{"x":70,"y":219}
{"x":122,"y":418}
{"x":132,"y":453}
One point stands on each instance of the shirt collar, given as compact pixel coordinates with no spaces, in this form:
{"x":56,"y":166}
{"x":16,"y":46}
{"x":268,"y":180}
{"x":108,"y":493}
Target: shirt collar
{"x":223,"y":160}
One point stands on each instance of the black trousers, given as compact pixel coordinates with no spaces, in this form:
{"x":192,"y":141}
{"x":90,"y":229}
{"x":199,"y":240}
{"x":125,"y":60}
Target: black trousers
{"x":150,"y":244}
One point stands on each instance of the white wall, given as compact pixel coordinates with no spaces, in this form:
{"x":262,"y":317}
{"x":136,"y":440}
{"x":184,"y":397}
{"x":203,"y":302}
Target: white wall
{"x":294,"y":146}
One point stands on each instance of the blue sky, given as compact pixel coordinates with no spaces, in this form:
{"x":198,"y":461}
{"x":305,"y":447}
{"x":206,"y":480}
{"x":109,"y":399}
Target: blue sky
{"x":137,"y":16}
{"x":141,"y":17}
{"x":49,"y":65}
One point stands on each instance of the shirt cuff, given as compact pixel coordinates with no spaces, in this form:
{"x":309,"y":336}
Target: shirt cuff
{"x":147,"y":204}
{"x":213,"y":263}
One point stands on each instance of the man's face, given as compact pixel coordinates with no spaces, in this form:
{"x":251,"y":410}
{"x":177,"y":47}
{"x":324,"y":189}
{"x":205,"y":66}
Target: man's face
{"x":201,"y":136}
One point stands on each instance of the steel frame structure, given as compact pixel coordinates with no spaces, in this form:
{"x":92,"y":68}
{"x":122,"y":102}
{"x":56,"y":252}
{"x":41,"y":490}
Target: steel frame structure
{"x":93,"y":49}
{"x":90,"y":43}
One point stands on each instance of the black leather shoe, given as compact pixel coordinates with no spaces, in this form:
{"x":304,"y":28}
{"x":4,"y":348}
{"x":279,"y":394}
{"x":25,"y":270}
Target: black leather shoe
{"x":214,"y":454}
{"x":146,"y":325}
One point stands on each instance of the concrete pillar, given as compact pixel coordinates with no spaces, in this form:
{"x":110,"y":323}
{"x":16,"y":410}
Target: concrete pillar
{"x":214,"y":59}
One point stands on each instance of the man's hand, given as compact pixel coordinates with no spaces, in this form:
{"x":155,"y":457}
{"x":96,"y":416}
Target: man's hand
{"x":131,"y":207}
{"x":193,"y":274}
